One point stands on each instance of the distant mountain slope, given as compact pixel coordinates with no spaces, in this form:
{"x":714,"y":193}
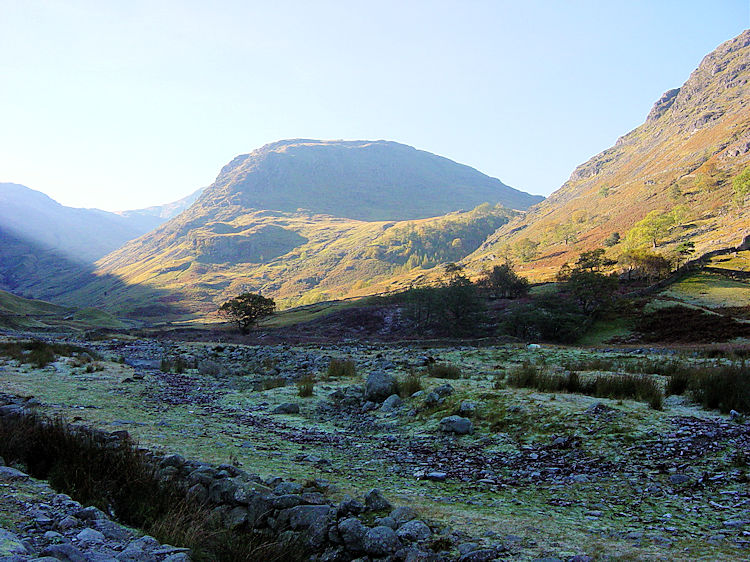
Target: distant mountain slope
{"x":363,"y":180}
{"x":695,"y":140}
{"x":149,"y":218}
{"x":81,"y":234}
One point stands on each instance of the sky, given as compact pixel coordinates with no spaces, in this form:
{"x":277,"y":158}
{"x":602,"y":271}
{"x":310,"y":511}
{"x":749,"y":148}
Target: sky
{"x":125,"y":104}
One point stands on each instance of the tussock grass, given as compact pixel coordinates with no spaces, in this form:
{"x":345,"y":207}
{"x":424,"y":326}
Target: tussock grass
{"x":444,"y":371}
{"x":40,"y":354}
{"x":341,"y":368}
{"x":409,"y":384}
{"x":722,"y":387}
{"x":306,"y":386}
{"x":118,"y":478}
{"x":643,"y":388}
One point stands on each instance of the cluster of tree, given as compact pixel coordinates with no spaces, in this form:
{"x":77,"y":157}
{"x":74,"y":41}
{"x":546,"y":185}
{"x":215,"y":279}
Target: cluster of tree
{"x":439,"y":241}
{"x":741,"y":187}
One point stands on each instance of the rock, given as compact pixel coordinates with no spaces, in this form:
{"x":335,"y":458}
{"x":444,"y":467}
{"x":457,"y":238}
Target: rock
{"x":112,"y":530}
{"x":286,"y":408}
{"x":381,"y":541}
{"x":734,"y":415}
{"x":350,"y":506}
{"x":403,"y":514}
{"x":679,"y":478}
{"x":304,"y":516}
{"x":736,"y":523}
{"x":64,"y":552}
{"x":467,"y":408}
{"x":10,"y":545}
{"x":68,"y":522}
{"x":374,"y":501}
{"x":443,"y":390}
{"x":198,"y":492}
{"x":177,"y":461}
{"x":457,"y":425}
{"x":222,"y":490}
{"x":286,"y":501}
{"x":352,"y":533}
{"x":414,"y":530}
{"x":432,"y":399}
{"x":90,"y":537}
{"x":288,"y":488}
{"x":483,"y":555}
{"x":236,"y":517}
{"x":379,"y":386}
{"x":9,"y":474}
{"x":90,"y":513}
{"x":386,"y":521}
{"x":392,"y":403}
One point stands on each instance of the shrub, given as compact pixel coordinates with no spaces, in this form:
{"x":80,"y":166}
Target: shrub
{"x":305,"y":386}
{"x":409,"y":384}
{"x":723,"y":388}
{"x":444,"y":371}
{"x":678,"y":383}
{"x":176,"y":364}
{"x":210,"y":367}
{"x":340,"y":368}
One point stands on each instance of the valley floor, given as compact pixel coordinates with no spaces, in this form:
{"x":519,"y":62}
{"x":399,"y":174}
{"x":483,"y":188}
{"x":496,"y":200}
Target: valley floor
{"x":541,"y":475}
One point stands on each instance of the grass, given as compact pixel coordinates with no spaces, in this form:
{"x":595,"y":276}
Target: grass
{"x":117,"y":477}
{"x":409,"y":384}
{"x":40,"y":354}
{"x":724,"y":387}
{"x":306,"y":386}
{"x":643,"y":388}
{"x":341,"y":368}
{"x":444,"y":371}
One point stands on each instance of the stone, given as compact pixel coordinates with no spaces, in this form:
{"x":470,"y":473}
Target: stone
{"x":457,"y":425}
{"x":432,"y":399}
{"x":288,"y":488}
{"x":9,"y":474}
{"x":386,"y":521}
{"x":198,"y":492}
{"x":391,"y":403}
{"x":286,"y":501}
{"x":403,"y":514}
{"x":90,"y":513}
{"x":443,"y":390}
{"x":352,"y":533}
{"x":414,"y":530}
{"x":467,"y":408}
{"x":10,"y":545}
{"x":286,"y":408}
{"x":64,"y":552}
{"x":222,"y":491}
{"x":374,"y":501}
{"x":68,"y":522}
{"x":304,"y":516}
{"x":381,"y":541}
{"x":177,"y":461}
{"x":379,"y":386}
{"x":679,"y":478}
{"x":350,"y":506}
{"x":112,"y":530}
{"x":483,"y":555}
{"x":90,"y":537}
{"x":235,"y":518}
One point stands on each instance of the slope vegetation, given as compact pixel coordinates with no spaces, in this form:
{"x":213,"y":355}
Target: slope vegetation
{"x":682,"y":161}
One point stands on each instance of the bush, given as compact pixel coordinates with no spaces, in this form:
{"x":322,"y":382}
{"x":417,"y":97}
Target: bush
{"x":548,"y":318}
{"x":271,"y":382}
{"x":340,"y":368}
{"x":305,"y":386}
{"x":724,"y":388}
{"x":410,"y":384}
{"x":444,"y":371}
{"x":176,"y":364}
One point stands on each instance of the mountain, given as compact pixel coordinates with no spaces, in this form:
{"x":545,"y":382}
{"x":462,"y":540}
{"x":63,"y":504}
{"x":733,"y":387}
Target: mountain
{"x":305,"y":220}
{"x":149,"y":218}
{"x":82,"y":235}
{"x":363,"y":180}
{"x":679,"y":164}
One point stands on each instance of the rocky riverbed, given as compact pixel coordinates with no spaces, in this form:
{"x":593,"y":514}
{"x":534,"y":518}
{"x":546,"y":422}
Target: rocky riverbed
{"x":513,"y":472}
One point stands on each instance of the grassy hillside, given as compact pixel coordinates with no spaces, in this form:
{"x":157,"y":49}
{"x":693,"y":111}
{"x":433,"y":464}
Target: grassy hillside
{"x":298,"y":258}
{"x":682,"y":160}
{"x":18,"y":313}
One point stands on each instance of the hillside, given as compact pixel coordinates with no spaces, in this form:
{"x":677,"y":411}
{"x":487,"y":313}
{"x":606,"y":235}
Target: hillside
{"x":304,"y":221}
{"x":149,"y":218}
{"x":363,"y":180}
{"x":695,"y":140}
{"x":82,"y":235}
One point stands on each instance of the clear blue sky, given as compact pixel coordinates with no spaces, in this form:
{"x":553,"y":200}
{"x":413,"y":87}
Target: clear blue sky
{"x":124,"y":104}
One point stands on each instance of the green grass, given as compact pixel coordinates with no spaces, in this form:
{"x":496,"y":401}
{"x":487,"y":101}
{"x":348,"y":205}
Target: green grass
{"x":710,"y":290}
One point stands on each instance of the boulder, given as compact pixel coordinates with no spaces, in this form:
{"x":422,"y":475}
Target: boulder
{"x":379,"y":386}
{"x":286,"y":408}
{"x":374,"y":501}
{"x":352,"y":533}
{"x":414,"y":530}
{"x":392,"y":403}
{"x":381,"y":541}
{"x":457,"y":425}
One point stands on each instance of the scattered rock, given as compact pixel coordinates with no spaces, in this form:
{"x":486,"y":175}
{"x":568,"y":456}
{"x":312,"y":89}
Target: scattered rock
{"x":286,"y":408}
{"x":457,"y":425}
{"x":379,"y":386}
{"x":392,"y":403}
{"x":374,"y":501}
{"x":414,"y":530}
{"x":381,"y":541}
